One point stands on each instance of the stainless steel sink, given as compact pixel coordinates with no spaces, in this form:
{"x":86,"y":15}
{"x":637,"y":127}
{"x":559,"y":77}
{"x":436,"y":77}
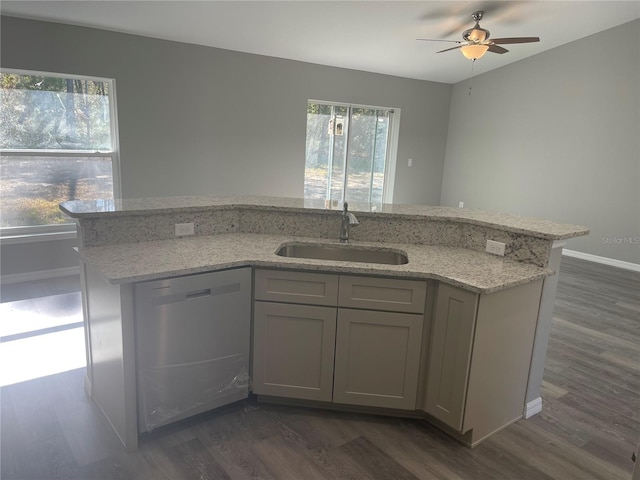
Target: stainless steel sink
{"x":343,"y":253}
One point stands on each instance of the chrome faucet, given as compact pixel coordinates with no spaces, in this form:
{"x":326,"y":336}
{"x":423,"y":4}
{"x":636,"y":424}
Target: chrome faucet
{"x":348,"y":220}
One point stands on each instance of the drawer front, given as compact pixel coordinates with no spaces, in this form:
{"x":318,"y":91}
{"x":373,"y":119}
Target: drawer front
{"x":296,"y":287}
{"x":382,"y":294}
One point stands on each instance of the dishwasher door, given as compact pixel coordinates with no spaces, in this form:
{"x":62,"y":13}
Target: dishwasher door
{"x":192,"y":339}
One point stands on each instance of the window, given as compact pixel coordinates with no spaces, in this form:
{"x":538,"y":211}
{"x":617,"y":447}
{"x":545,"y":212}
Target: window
{"x":348,"y":154}
{"x":58,"y":142}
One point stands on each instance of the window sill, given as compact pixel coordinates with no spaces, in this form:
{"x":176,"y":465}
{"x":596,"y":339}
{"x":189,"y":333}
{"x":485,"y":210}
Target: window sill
{"x":10,"y":239}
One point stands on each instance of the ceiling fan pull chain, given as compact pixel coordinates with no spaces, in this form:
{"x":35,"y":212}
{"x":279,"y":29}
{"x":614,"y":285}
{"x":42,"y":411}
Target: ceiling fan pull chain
{"x":473,"y":62}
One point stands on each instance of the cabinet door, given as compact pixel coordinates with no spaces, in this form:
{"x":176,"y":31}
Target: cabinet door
{"x":450,"y":354}
{"x":293,"y":350}
{"x":377,"y":358}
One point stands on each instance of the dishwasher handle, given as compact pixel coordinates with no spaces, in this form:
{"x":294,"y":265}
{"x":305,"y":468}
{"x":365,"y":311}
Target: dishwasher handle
{"x":159,"y":298}
{"x":198,"y":293}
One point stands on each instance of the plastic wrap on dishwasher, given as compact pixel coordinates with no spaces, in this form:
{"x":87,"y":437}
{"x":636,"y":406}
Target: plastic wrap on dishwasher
{"x":173,"y":392}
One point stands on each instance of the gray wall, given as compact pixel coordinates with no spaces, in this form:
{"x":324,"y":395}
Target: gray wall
{"x":199,"y":120}
{"x":21,"y":258}
{"x":195,"y":120}
{"x":556,"y":136}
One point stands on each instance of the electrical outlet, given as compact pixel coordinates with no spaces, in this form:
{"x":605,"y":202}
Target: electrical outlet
{"x":497,"y":248}
{"x":183,"y":229}
{"x":460,"y":204}
{"x":410,"y":162}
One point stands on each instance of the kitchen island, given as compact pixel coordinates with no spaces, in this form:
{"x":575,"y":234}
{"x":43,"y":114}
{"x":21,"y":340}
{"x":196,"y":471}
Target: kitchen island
{"x":474,"y":311}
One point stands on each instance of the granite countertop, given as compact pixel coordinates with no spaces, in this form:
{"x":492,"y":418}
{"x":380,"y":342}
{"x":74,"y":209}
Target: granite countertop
{"x":475,"y":271}
{"x":545,"y":229}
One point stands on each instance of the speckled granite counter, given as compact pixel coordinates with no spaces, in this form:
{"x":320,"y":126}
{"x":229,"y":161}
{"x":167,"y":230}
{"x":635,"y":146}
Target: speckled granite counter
{"x":153,"y":206}
{"x":134,"y":262}
{"x":114,"y":222}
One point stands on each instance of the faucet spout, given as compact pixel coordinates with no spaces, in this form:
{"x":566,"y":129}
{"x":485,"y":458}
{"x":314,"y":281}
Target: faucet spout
{"x":348,"y":220}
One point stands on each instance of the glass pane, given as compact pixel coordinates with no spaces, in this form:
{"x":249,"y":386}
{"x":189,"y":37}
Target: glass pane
{"x":367,"y":155}
{"x":362,"y":142}
{"x":32,"y":187}
{"x":341,"y":132}
{"x":380,"y":157}
{"x":317,"y":155}
{"x":54,"y":113}
{"x":327,"y":127}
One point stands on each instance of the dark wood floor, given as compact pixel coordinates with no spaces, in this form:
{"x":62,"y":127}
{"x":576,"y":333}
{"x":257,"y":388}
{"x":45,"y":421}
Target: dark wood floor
{"x":588,"y":429}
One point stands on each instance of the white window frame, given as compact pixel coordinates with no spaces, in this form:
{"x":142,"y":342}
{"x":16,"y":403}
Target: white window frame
{"x":392,"y":146}
{"x":37,"y":233}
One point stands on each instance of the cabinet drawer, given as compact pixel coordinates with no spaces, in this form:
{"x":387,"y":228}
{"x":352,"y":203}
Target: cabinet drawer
{"x":296,"y":287}
{"x":382,"y":294}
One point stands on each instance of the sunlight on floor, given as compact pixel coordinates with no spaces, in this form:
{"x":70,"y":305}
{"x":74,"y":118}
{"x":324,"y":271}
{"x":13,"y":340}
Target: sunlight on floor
{"x":40,"y":336}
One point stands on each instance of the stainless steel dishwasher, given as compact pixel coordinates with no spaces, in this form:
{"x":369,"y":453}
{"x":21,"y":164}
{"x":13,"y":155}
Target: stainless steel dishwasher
{"x":192,"y":339}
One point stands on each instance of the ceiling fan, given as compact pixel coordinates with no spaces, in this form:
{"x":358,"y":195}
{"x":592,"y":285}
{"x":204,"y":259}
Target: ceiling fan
{"x":476,"y":40}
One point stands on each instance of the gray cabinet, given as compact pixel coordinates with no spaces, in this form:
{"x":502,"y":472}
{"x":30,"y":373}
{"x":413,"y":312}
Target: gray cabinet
{"x":389,"y":294}
{"x":294,"y":342}
{"x":296,"y":287}
{"x":339,"y":338}
{"x":453,"y":324}
{"x":293,"y":350}
{"x":479,"y":358}
{"x":377,"y":358}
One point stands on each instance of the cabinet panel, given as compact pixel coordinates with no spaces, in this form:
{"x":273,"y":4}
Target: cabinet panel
{"x":293,"y":350}
{"x":296,"y":287}
{"x":377,"y":358}
{"x":450,"y":354}
{"x":502,"y":347}
{"x":382,"y":294}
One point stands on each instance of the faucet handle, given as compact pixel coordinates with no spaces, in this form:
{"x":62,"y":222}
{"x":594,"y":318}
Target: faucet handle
{"x":346,"y":207}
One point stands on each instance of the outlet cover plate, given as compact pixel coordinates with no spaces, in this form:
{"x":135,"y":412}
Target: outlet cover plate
{"x":183,"y":229}
{"x":496,"y":248}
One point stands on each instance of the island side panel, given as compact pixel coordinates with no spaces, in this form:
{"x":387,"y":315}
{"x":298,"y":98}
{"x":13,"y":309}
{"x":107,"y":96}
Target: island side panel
{"x":88,"y":379}
{"x":545,"y":317}
{"x":111,"y":342}
{"x":501,"y":358}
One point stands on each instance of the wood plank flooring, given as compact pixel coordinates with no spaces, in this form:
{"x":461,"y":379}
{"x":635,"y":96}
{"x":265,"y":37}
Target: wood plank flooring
{"x":589,"y":426}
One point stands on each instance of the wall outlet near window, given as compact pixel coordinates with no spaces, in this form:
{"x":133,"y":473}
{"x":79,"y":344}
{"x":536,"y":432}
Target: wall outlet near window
{"x":496,"y":248}
{"x":183,"y":229}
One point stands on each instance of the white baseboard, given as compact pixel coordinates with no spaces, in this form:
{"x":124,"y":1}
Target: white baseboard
{"x":533,"y":407}
{"x":604,"y":260}
{"x":39,"y":275}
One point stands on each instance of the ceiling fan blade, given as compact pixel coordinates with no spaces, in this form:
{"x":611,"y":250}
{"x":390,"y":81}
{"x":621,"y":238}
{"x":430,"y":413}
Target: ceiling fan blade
{"x":457,"y":14}
{"x":452,"y":48}
{"x":497,"y":49}
{"x":504,"y":41}
{"x":437,"y":40}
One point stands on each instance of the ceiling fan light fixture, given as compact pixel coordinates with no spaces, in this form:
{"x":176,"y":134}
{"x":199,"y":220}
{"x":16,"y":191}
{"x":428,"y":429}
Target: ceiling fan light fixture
{"x":476,"y":35}
{"x":474,"y":52}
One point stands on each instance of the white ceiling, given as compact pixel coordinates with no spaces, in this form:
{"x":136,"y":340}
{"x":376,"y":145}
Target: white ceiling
{"x":374,"y":36}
